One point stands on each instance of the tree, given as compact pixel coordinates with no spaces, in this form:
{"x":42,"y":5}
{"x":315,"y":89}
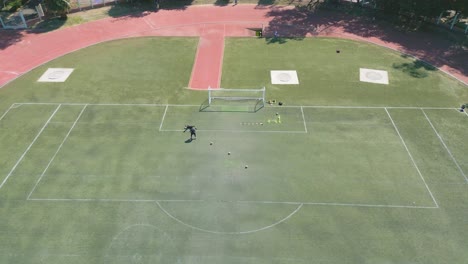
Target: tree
{"x":58,"y":7}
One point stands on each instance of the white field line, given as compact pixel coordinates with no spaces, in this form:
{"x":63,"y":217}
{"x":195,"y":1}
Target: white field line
{"x":105,"y":123}
{"x":56,"y":152}
{"x":229,"y":233}
{"x":284,"y":106}
{"x":465,"y":113}
{"x":164,"y":116}
{"x":369,"y":107}
{"x":250,"y":202}
{"x":168,"y":238}
{"x":29,"y":147}
{"x":109,"y":200}
{"x":6,"y":112}
{"x":303,"y":118}
{"x":344,"y":204}
{"x":240,"y":131}
{"x":445,"y":146}
{"x":411,"y":157}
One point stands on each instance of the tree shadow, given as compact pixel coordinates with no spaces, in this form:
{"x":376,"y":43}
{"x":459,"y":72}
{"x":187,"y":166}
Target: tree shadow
{"x":221,"y":3}
{"x":435,"y":48}
{"x":266,"y":2}
{"x":50,"y":24}
{"x":131,"y":10}
{"x":175,"y":5}
{"x":9,"y":37}
{"x":416,"y":69}
{"x":275,"y":40}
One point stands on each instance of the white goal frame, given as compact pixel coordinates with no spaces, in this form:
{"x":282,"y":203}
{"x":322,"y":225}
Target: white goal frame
{"x":236,"y":94}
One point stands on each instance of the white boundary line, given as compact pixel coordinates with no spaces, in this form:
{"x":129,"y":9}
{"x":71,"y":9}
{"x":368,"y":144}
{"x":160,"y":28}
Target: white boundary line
{"x":6,"y":112}
{"x":56,"y":152}
{"x":465,"y":113}
{"x":29,"y":147}
{"x":164,"y":116}
{"x":251,"y":202}
{"x":411,"y":157}
{"x":229,"y":233}
{"x":303,"y":118}
{"x":167,"y":105}
{"x":445,"y":146}
{"x":284,"y":106}
{"x":241,"y":131}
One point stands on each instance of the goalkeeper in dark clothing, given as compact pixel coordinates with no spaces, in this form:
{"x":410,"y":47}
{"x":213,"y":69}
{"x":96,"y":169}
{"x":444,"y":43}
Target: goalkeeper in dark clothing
{"x":193,"y":131}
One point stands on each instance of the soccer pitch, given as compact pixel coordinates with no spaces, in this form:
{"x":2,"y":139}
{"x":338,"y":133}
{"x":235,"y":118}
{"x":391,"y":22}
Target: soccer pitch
{"x":111,"y":181}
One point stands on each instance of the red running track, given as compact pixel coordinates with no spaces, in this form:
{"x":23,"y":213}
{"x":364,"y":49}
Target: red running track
{"x":22,"y":51}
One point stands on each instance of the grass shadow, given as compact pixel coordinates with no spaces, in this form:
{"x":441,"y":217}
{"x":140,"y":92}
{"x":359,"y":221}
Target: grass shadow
{"x":275,"y":40}
{"x":416,"y":69}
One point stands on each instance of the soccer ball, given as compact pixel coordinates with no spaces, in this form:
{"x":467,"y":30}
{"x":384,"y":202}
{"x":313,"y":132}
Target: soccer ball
{"x":246,"y":166}
{"x":211,"y":143}
{"x":229,"y":153}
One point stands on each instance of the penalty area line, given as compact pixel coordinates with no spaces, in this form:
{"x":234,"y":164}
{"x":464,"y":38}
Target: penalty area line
{"x":56,"y":152}
{"x":245,"y":202}
{"x":303,"y":119}
{"x":411,"y":157}
{"x":445,"y":146}
{"x":164,"y":116}
{"x":29,"y":147}
{"x":239,"y":131}
{"x":6,"y":112}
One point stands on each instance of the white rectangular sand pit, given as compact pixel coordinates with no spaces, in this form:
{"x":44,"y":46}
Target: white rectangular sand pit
{"x":56,"y":75}
{"x":284,"y":77}
{"x":373,"y":76}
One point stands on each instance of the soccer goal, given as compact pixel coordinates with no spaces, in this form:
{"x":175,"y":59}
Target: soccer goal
{"x":236,"y":99}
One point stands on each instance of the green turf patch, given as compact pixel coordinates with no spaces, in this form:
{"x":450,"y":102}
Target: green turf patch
{"x":330,"y":78}
{"x":104,"y":173}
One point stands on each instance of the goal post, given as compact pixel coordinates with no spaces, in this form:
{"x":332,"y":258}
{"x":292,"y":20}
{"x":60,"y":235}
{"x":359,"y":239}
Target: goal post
{"x":236,"y":94}
{"x":222,"y":99}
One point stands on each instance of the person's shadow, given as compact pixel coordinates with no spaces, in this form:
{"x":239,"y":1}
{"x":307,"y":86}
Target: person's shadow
{"x":189,"y":140}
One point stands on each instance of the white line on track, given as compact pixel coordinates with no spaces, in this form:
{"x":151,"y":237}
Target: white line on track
{"x":411,"y":157}
{"x":29,"y":147}
{"x":57,"y":151}
{"x":445,"y":146}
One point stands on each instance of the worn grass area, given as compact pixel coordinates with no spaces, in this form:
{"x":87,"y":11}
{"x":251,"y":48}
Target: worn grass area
{"x":97,"y":169}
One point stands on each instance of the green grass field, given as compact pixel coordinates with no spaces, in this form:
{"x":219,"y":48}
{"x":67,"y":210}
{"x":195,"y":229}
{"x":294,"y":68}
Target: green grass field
{"x":97,"y":169}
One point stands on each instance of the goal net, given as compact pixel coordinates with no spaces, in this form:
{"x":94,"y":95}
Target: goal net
{"x":236,"y":99}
